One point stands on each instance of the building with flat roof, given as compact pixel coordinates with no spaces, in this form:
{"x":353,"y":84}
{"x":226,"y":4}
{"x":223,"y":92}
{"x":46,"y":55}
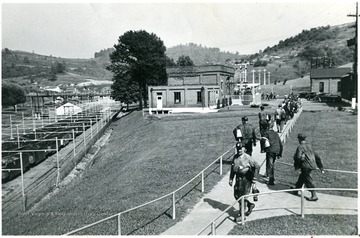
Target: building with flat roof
{"x":192,"y":86}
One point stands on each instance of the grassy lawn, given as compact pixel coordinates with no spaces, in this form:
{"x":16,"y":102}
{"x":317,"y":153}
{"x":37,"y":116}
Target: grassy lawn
{"x":295,"y":225}
{"x":333,"y":135}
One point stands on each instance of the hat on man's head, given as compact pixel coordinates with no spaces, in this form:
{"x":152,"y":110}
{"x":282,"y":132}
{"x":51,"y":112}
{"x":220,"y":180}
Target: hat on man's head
{"x":301,"y":136}
{"x":262,"y":107}
{"x":244,"y":118}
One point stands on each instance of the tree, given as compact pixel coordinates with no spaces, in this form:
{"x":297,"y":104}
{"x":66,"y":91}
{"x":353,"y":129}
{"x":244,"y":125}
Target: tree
{"x":170,"y":62}
{"x":125,"y":90}
{"x":12,"y":94}
{"x":52,"y":77}
{"x":184,"y":61}
{"x":141,"y":56}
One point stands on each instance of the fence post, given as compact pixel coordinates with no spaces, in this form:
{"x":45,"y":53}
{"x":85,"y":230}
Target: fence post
{"x":57,"y":162}
{"x":18,"y":138}
{"x":23,"y":122}
{"x":302,"y":202}
{"x":34,"y":127}
{"x":97,"y":125}
{"x":202,"y":181}
{"x":213,"y":229}
{"x":84,"y":135}
{"x":35,"y":134}
{"x":11,"y":133}
{"x":119,"y":224}
{"x":221,"y":165}
{"x":74,"y":142}
{"x":22,"y":182}
{"x":91,"y":128}
{"x":173,"y":207}
{"x":242,"y":210}
{"x":42,"y":120}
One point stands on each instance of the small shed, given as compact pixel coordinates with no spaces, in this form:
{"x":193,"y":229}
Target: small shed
{"x":68,"y":109}
{"x":327,"y":80}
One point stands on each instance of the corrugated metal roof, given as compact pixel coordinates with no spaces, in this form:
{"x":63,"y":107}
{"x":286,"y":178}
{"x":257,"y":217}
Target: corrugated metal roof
{"x":329,"y":73}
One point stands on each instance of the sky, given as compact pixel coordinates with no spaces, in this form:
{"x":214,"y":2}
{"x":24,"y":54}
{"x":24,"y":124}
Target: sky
{"x":78,"y":30}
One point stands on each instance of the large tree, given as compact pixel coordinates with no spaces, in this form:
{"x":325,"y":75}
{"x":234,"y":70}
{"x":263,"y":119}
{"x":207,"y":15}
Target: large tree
{"x":141,"y":56}
{"x":12,"y":94}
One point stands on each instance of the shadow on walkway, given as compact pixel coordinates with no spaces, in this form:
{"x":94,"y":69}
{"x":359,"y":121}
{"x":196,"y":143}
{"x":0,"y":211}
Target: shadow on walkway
{"x":222,"y":207}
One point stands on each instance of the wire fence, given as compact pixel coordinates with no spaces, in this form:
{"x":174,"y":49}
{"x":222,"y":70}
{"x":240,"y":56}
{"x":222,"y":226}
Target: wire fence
{"x":78,"y":144}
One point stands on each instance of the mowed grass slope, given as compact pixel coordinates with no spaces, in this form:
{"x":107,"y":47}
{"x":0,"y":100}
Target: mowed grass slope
{"x":333,"y":135}
{"x":145,"y":158}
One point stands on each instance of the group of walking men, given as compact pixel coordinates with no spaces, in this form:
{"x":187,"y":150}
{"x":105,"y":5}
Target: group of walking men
{"x":244,"y":169}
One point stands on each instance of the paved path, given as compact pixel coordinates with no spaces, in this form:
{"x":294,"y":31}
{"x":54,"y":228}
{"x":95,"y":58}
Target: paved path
{"x":277,"y":204}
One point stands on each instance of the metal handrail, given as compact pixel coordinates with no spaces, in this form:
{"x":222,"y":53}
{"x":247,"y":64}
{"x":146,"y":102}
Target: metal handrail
{"x":331,"y":170}
{"x":155,"y":200}
{"x":302,"y":190}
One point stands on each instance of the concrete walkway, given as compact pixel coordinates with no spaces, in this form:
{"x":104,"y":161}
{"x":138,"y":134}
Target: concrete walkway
{"x":277,"y":204}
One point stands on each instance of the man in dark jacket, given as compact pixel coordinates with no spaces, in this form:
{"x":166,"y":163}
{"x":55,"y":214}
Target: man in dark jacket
{"x":273,"y":152}
{"x":263,"y":120}
{"x":245,"y":170}
{"x":246,"y":134}
{"x":306,"y":159}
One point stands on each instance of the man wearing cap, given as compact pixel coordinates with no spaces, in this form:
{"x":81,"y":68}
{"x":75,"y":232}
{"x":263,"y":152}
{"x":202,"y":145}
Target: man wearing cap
{"x":263,"y":120}
{"x":246,"y":134}
{"x":245,"y":170}
{"x":274,"y":151}
{"x":306,"y":159}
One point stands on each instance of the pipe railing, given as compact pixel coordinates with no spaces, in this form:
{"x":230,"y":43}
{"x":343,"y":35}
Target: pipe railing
{"x":212,"y":224}
{"x":173,"y":194}
{"x":330,"y":170}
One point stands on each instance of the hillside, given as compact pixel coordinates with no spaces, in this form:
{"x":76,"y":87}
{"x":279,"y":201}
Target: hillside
{"x":289,"y":59}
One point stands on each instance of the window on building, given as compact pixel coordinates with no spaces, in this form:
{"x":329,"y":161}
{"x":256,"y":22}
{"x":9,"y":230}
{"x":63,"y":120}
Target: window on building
{"x":321,"y":87}
{"x":177,"y":97}
{"x":339,"y":86}
{"x":199,"y":98}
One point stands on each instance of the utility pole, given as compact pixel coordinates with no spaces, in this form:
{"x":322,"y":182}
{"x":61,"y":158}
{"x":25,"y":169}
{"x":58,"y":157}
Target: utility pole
{"x":356,"y":49}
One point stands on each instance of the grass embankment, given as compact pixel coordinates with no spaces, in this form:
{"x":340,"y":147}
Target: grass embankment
{"x":144,"y":159}
{"x":295,"y":225}
{"x":333,"y":135}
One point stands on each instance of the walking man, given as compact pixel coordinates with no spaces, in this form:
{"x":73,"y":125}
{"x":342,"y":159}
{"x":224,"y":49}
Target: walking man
{"x":280,"y":118}
{"x":273,"y":152}
{"x":245,"y":133}
{"x":245,"y":170}
{"x":306,"y":159}
{"x":263,"y":120}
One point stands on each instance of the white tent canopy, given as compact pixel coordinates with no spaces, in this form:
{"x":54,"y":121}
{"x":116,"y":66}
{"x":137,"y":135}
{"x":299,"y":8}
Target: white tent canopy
{"x":68,"y":109}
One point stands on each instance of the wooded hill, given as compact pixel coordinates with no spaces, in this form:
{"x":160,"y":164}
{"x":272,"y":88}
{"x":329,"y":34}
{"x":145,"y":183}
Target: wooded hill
{"x":288,"y":59}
